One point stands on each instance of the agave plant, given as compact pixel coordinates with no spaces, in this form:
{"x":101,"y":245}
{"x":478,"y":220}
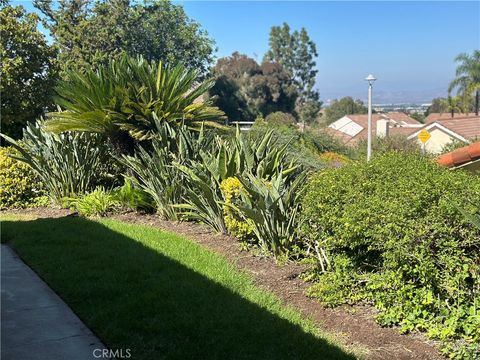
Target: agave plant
{"x":68,"y":165}
{"x":125,"y":98}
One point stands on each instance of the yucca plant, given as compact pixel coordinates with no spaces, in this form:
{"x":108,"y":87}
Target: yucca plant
{"x":154,"y":168}
{"x":271,"y":207}
{"x":125,"y":98}
{"x":203,"y":178}
{"x":69,"y":165}
{"x":228,"y":158}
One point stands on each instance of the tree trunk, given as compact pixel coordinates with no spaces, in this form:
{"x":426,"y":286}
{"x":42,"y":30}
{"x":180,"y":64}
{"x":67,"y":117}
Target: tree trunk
{"x":477,"y":100}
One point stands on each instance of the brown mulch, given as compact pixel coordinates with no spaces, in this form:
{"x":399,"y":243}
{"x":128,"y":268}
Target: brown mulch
{"x":353,"y":326}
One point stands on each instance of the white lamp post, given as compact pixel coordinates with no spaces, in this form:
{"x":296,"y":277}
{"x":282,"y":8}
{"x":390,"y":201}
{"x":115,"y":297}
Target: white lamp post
{"x":370,"y":78}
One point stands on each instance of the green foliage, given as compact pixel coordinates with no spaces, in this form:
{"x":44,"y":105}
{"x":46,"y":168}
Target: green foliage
{"x":389,"y":232}
{"x":235,"y":224}
{"x":297,"y":52}
{"x":438,"y":106}
{"x":228,"y":158}
{"x":270,"y":208}
{"x":132,"y":197}
{"x":280,"y":118}
{"x":127,"y":97}
{"x":28,"y":70}
{"x":153,"y":165}
{"x":90,"y":32}
{"x":304,"y":148}
{"x":99,"y":202}
{"x":453,"y":145}
{"x":20,"y":186}
{"x":467,"y":80}
{"x":345,"y":106}
{"x":68,"y":165}
{"x":244,"y":89}
{"x":387,"y":144}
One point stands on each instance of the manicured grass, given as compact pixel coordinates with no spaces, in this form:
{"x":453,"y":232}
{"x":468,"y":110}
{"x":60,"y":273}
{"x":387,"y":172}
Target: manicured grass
{"x":161,"y":295}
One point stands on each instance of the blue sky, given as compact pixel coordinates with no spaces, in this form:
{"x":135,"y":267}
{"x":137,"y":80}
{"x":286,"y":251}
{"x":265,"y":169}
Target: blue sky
{"x":409,"y":46}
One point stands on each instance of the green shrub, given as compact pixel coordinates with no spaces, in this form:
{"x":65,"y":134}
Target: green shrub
{"x":387,"y":144}
{"x":69,"y":164}
{"x":20,"y":186}
{"x":97,"y":203}
{"x":389,"y":232}
{"x":280,"y":118}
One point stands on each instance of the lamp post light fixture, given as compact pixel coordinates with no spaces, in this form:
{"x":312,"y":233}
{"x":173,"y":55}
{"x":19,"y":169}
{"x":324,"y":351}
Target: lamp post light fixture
{"x":370,"y":78}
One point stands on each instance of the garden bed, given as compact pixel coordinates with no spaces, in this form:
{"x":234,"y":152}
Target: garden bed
{"x":354,"y":326}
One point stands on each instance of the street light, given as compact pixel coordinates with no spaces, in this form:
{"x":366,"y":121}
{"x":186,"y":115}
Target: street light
{"x":370,"y":78}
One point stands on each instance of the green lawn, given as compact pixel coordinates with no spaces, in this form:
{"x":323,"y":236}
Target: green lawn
{"x":161,"y":295}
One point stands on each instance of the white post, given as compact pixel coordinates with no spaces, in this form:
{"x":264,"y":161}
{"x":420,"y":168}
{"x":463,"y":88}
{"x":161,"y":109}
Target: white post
{"x":370,"y":78}
{"x":369,"y":135}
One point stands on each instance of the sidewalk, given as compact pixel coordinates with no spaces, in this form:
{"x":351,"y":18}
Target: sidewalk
{"x":36,"y":324}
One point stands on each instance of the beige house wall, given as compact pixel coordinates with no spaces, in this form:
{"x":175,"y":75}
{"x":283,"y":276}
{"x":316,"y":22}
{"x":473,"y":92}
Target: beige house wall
{"x":438,"y":141}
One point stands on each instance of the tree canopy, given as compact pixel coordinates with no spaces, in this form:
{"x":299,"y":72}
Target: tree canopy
{"x":92,"y":32}
{"x":342,"y":107}
{"x":28,"y":70}
{"x":296,"y":52}
{"x":244,"y":89}
{"x":467,"y":80}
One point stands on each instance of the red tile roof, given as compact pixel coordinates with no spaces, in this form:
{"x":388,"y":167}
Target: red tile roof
{"x":460,"y":156}
{"x":468,"y":128}
{"x":446,"y":116}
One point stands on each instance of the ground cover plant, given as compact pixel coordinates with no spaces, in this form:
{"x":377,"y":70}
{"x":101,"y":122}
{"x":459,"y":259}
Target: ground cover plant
{"x":160,"y":294}
{"x":389,"y":232}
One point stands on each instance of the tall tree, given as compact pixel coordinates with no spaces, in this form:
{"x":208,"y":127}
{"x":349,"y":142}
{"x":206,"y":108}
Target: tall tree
{"x":245,"y":89}
{"x":92,"y":32}
{"x":453,"y":104}
{"x":297,"y":52}
{"x":342,"y":107}
{"x":467,"y":80}
{"x":28,"y":70}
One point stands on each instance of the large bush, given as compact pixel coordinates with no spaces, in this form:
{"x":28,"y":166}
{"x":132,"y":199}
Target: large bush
{"x":19,"y":184}
{"x":389,"y":231}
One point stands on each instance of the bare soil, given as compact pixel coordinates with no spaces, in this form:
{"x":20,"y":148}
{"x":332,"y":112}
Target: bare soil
{"x":353,"y":326}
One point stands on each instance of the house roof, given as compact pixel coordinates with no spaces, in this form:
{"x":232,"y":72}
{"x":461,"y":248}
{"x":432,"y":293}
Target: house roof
{"x":447,"y":116}
{"x":464,"y":155}
{"x":353,"y":128}
{"x":464,"y":129}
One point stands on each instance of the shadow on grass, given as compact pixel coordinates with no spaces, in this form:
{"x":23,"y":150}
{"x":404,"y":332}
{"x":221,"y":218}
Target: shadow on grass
{"x":133,"y":296}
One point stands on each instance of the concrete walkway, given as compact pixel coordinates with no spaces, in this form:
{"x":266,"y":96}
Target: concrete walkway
{"x":36,"y":324}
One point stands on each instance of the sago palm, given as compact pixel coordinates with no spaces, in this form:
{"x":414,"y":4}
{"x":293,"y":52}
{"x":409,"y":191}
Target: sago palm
{"x":467,"y":80}
{"x":125,"y":98}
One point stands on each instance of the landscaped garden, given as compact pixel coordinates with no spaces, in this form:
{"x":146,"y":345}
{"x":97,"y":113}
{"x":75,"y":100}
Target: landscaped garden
{"x":398,"y":235}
